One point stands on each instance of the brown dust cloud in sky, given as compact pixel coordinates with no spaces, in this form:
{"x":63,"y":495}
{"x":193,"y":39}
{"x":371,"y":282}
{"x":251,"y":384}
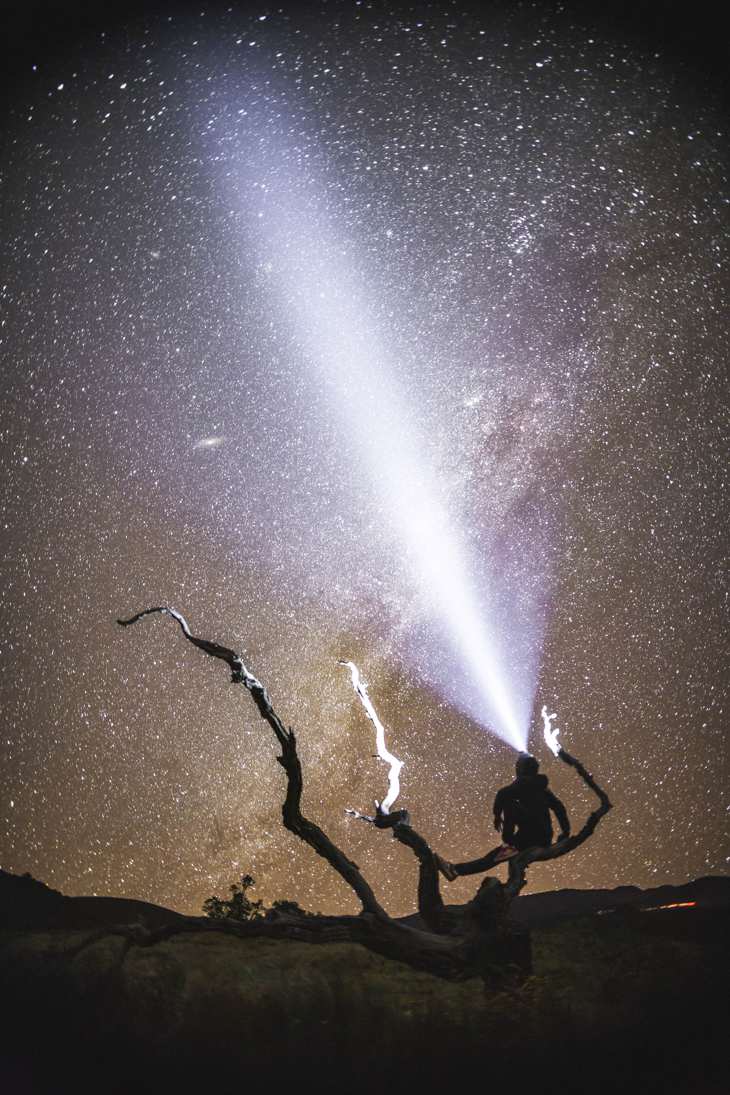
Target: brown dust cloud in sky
{"x":531,"y":212}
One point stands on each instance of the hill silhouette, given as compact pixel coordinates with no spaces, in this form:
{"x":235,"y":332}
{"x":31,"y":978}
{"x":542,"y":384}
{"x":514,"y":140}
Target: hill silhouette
{"x":26,"y":903}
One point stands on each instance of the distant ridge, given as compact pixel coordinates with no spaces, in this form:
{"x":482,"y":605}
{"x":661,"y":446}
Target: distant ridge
{"x":712,"y":891}
{"x":26,"y":903}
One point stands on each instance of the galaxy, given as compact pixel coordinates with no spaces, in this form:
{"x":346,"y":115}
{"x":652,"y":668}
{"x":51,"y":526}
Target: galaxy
{"x":392,"y":334}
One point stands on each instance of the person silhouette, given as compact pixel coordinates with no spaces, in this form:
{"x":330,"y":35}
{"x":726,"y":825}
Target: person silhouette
{"x":522,"y":814}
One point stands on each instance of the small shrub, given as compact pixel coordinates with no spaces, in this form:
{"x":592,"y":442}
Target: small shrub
{"x":239,"y":905}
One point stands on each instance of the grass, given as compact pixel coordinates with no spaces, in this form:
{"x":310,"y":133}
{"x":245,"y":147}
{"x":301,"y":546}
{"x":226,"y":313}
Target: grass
{"x":623,"y":1003}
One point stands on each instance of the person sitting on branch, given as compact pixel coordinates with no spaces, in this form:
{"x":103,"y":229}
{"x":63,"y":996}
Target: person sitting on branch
{"x":522,"y":815}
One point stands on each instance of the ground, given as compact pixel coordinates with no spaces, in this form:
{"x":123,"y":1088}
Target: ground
{"x":628,"y":1001}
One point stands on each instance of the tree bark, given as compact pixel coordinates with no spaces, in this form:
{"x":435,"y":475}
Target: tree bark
{"x":294,"y":819}
{"x":434,"y":954}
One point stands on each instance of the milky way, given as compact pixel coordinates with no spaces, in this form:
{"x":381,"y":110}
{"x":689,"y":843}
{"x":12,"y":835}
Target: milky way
{"x":534,"y":213}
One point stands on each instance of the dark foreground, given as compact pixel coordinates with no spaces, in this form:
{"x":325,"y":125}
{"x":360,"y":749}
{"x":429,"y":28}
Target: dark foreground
{"x":626,"y":1002}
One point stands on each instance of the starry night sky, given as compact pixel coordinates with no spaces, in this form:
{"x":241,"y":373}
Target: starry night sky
{"x":533,"y":208}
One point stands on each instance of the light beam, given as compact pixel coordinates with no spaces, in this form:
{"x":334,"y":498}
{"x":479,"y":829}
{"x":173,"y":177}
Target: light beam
{"x":380,"y":421}
{"x":317,"y":277}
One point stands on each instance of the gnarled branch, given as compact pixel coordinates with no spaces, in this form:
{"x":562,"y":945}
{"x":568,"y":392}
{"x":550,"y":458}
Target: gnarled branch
{"x":430,"y":902}
{"x":292,"y":815}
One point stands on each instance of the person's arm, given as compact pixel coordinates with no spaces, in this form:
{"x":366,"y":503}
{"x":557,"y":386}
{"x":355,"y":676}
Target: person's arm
{"x":560,"y":813}
{"x":498,"y":810}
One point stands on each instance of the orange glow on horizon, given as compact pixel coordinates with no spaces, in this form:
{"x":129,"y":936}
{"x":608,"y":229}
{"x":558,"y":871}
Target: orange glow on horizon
{"x":674,"y":905}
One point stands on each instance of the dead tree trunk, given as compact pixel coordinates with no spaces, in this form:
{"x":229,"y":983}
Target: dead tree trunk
{"x":455,"y":942}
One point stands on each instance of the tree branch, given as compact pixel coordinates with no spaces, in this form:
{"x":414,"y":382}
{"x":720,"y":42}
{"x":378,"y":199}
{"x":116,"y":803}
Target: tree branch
{"x":430,"y":902}
{"x":442,"y":957}
{"x":394,"y":765}
{"x":292,"y":815}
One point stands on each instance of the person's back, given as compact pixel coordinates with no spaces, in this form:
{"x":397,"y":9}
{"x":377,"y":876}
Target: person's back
{"x":522,"y":810}
{"x":522,"y":814}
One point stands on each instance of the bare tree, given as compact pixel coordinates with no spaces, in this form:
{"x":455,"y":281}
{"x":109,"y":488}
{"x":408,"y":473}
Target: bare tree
{"x":454,"y":941}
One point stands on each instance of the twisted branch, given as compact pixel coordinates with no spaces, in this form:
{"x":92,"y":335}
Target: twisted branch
{"x":394,"y":765}
{"x":430,"y":902}
{"x":390,"y":938}
{"x":292,"y":815}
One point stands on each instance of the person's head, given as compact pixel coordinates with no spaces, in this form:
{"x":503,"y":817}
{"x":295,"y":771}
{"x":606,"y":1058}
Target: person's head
{"x":526,"y":765}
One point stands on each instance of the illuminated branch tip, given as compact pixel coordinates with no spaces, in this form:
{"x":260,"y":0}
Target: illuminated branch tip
{"x":551,"y":736}
{"x":395,"y":765}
